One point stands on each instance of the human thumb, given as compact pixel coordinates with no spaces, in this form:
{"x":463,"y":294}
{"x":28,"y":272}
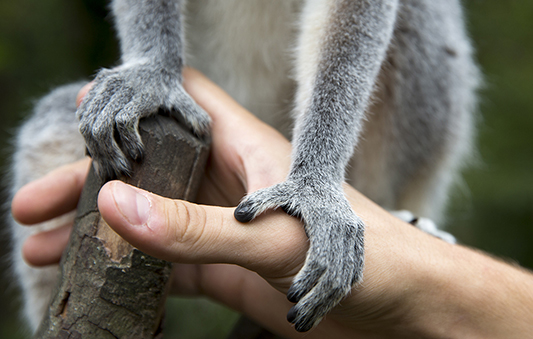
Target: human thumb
{"x":184,"y":232}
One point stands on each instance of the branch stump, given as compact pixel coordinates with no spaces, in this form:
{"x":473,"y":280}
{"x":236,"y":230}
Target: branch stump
{"x":107,"y":288}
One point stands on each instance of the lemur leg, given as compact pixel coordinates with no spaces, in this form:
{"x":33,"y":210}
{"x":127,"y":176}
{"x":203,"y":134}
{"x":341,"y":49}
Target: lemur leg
{"x":149,"y":78}
{"x":339,"y":55}
{"x":419,"y":133}
{"x":49,"y":139}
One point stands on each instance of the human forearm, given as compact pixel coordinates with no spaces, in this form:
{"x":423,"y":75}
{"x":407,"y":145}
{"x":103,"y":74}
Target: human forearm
{"x":438,"y":290}
{"x":476,"y":296}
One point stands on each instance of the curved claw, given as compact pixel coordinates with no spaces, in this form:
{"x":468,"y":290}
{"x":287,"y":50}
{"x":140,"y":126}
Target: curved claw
{"x":128,"y":129}
{"x":244,"y":213}
{"x":257,"y":202}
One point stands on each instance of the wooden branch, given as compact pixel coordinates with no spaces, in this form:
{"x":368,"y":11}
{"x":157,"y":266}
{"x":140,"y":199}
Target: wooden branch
{"x":108,"y":289}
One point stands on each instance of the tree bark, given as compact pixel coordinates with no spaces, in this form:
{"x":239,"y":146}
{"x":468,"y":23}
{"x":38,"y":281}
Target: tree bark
{"x":106,"y":288}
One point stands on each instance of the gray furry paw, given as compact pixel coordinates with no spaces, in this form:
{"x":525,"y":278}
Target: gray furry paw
{"x":335,"y":259}
{"x":109,"y":114}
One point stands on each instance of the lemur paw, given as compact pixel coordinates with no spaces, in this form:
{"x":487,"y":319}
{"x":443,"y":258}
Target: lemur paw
{"x":335,"y":259}
{"x":109,"y":114}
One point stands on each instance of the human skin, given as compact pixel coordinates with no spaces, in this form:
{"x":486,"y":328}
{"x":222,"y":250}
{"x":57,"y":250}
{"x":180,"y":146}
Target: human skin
{"x":414,"y":286}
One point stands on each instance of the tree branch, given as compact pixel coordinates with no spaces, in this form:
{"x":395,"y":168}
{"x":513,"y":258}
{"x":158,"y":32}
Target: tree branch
{"x":108,"y":289}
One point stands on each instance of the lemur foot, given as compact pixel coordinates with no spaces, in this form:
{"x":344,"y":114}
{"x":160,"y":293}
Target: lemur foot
{"x":109,"y":114}
{"x":335,"y":259}
{"x":424,"y":224}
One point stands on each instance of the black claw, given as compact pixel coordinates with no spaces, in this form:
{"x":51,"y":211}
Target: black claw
{"x":136,"y":155}
{"x":303,"y":328}
{"x":243,"y":213}
{"x":292,"y":295}
{"x":291,"y":315}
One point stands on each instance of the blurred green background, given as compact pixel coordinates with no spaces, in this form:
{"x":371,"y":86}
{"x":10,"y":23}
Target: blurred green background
{"x":47,"y":43}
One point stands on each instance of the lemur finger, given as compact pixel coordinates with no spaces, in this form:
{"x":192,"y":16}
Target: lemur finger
{"x":112,"y":163}
{"x":323,"y":259}
{"x":109,"y":159}
{"x":260,"y":201}
{"x":92,"y":106}
{"x":307,"y":278}
{"x":101,"y":93}
{"x":195,"y":117}
{"x":105,"y":123}
{"x":109,"y":162}
{"x":128,"y":128}
{"x":103,"y":74}
{"x":332,"y":286}
{"x":312,"y":308}
{"x":333,"y":265}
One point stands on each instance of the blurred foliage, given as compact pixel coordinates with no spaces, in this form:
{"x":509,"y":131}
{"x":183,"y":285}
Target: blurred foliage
{"x":47,"y":43}
{"x":493,"y":210}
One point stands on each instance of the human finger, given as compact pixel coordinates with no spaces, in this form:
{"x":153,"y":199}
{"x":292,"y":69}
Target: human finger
{"x":83,"y":91}
{"x":45,"y":248}
{"x":178,"y":231}
{"x":53,"y":195}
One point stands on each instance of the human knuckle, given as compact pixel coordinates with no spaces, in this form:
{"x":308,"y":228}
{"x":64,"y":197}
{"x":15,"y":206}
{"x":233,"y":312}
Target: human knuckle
{"x":190,"y":224}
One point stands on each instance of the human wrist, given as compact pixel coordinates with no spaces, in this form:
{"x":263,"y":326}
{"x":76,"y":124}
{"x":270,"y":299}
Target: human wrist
{"x":431,"y":289}
{"x":476,"y":296}
{"x":461,"y":293}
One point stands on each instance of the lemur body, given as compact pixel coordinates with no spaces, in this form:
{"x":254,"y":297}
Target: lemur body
{"x":393,"y":80}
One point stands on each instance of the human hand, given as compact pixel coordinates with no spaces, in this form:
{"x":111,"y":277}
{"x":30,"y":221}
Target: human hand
{"x":414,"y":285}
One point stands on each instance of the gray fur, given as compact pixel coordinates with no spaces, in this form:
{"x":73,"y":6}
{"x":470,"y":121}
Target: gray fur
{"x":149,"y":79}
{"x":382,"y":93}
{"x":48,"y":140}
{"x":324,"y":139}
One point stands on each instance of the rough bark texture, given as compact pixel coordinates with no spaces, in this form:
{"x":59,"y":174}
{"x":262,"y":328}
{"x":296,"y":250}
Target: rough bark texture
{"x":108,"y":289}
